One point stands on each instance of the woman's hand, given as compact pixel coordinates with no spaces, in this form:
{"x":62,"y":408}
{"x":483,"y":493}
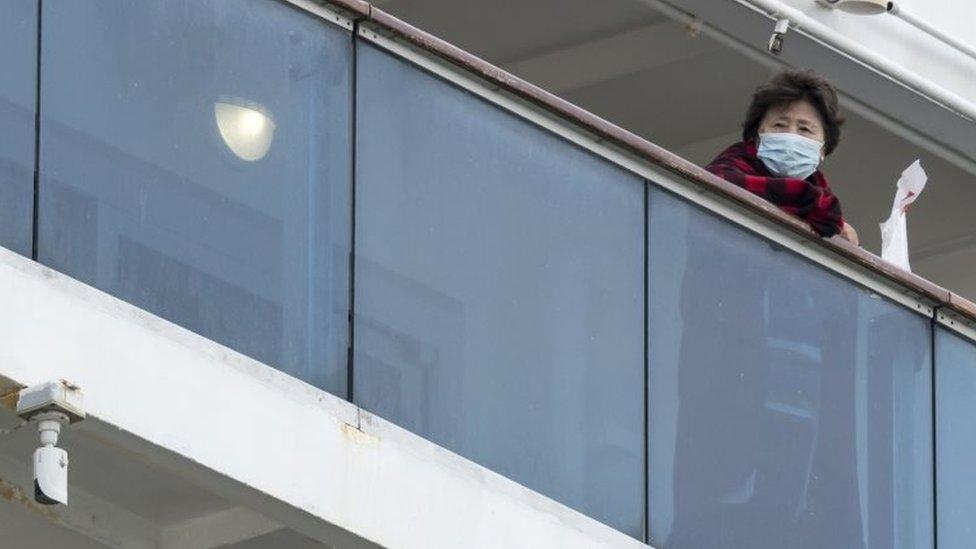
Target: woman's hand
{"x":848,"y":233}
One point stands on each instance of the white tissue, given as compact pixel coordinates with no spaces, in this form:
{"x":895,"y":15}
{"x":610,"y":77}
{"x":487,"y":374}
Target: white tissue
{"x":894,"y":231}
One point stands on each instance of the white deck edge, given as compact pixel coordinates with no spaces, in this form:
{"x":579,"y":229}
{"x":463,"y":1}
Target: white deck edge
{"x":955,"y":323}
{"x":323,"y":12}
{"x":258,"y":437}
{"x":652,"y":173}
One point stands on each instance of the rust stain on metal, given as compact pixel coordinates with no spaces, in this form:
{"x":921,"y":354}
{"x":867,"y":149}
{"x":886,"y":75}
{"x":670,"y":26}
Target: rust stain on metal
{"x":358,"y":7}
{"x":357,"y":436}
{"x":69,"y":385}
{"x":10,"y":400}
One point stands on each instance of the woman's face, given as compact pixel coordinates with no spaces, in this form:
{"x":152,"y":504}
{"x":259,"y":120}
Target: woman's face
{"x":799,"y":117}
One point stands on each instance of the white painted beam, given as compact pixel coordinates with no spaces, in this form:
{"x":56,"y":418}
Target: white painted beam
{"x":216,"y":530}
{"x":602,"y":60}
{"x":259,"y":438}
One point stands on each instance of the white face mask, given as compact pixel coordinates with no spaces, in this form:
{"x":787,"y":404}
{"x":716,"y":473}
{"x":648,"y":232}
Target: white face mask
{"x":789,"y":155}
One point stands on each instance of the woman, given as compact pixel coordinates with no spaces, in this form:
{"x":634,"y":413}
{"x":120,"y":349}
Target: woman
{"x":764,"y":444}
{"x":792,"y":124}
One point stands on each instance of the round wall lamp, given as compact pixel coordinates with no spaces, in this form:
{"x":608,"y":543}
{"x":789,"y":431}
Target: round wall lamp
{"x":860,"y":7}
{"x":246,"y":127}
{"x":873,"y":7}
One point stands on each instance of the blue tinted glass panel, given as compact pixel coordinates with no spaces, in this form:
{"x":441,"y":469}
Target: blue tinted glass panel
{"x":196,"y":162}
{"x":18,"y":78}
{"x":499,"y":290}
{"x":955,"y":375}
{"x":787,"y":406}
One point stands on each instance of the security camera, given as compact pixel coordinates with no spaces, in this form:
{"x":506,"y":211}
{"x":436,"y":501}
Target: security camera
{"x":51,"y":406}
{"x":50,"y":463}
{"x":779,"y":36}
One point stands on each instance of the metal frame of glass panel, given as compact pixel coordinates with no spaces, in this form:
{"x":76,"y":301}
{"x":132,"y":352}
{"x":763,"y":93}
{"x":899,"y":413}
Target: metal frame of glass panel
{"x":323,"y":12}
{"x":954,"y":323}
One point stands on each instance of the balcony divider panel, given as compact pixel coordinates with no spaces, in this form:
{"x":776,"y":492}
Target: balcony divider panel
{"x":18,"y":90}
{"x":499,"y":290}
{"x":196,"y":162}
{"x":955,"y":378}
{"x":788,"y":407}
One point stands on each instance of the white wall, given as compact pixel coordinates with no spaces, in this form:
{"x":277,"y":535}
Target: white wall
{"x":908,"y":46}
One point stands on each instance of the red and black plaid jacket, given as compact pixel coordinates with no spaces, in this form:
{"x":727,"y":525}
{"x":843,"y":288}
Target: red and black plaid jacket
{"x":809,"y":199}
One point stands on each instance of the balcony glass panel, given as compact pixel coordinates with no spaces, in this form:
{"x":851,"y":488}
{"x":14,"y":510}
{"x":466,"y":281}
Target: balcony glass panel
{"x":788,"y":407}
{"x":196,"y":162}
{"x":18,"y":79}
{"x":955,"y":376}
{"x":499,"y":290}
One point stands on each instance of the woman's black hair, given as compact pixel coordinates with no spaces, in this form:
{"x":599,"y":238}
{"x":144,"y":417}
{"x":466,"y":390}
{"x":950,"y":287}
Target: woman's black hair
{"x":791,"y":86}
